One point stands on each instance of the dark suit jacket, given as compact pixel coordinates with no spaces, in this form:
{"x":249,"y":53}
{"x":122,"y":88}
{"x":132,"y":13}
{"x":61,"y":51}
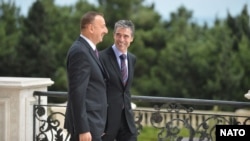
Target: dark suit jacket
{"x":87,"y":100}
{"x":118,"y":95}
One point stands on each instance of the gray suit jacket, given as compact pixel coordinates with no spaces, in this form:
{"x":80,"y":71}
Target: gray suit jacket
{"x":118,"y":95}
{"x":87,"y":100}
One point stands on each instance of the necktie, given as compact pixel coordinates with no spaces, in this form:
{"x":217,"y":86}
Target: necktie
{"x":96,"y":53}
{"x":123,"y":68}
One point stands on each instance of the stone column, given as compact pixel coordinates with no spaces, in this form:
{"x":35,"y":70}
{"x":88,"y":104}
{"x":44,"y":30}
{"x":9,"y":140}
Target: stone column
{"x":16,"y":106}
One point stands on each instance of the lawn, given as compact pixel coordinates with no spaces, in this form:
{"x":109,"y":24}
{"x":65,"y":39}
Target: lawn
{"x":151,"y":133}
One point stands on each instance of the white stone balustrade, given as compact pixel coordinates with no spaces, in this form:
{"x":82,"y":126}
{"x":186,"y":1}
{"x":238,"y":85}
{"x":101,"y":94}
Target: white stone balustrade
{"x":17,"y":100}
{"x":16,"y":106}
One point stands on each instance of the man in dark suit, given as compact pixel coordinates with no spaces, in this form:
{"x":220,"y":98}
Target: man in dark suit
{"x":86,"y":111}
{"x":120,"y":121}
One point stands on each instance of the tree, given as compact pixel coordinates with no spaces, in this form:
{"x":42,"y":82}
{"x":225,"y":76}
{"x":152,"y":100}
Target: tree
{"x":176,"y":58}
{"x":36,"y":56}
{"x":10,"y":25}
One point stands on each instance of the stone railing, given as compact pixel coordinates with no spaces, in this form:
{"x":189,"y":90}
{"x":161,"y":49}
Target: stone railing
{"x":25,"y":114}
{"x":16,"y":106}
{"x":169,"y":116}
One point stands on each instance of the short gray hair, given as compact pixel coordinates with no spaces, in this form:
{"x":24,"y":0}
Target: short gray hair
{"x":125,"y":24}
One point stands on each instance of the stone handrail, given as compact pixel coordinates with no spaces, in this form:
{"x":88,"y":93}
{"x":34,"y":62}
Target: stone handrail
{"x":16,"y":106}
{"x":168,"y":115}
{"x":25,"y":114}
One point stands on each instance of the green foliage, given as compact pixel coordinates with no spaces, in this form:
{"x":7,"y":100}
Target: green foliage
{"x":148,"y":134}
{"x":175,"y":58}
{"x":10,"y":25}
{"x":151,"y":133}
{"x":34,"y":53}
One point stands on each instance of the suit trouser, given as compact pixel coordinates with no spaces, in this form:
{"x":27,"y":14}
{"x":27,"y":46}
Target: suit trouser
{"x":123,"y":134}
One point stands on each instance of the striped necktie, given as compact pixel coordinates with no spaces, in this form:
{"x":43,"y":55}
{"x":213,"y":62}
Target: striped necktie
{"x":96,"y":53}
{"x":124,"y":69}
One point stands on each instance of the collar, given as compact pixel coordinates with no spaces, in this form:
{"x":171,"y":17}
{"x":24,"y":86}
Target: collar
{"x":89,"y":41}
{"x":117,"y":52}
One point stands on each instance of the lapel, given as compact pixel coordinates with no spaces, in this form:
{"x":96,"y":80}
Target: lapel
{"x":92,"y":52}
{"x":116,"y":66}
{"x":114,"y":63}
{"x":130,"y":68}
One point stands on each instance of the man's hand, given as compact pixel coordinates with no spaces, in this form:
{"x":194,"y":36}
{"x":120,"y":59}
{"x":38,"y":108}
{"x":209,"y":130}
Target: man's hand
{"x":85,"y":137}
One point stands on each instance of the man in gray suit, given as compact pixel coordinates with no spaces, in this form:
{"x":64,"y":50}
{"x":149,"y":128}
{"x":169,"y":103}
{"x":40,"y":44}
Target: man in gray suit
{"x":120,"y":123}
{"x":86,"y":111}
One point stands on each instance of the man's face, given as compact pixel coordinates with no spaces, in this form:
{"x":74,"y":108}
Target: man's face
{"x":123,"y":38}
{"x":99,"y":29}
